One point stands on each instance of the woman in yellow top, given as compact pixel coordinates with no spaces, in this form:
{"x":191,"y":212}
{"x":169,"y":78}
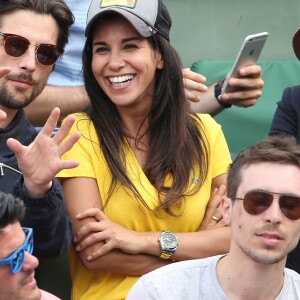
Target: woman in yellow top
{"x":147,"y":164}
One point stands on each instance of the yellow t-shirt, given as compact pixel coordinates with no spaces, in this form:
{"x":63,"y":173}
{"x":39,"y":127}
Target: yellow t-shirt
{"x":124,"y":209}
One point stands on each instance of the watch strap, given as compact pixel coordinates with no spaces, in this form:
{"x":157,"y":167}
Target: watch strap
{"x":165,"y":255}
{"x":218,"y":90}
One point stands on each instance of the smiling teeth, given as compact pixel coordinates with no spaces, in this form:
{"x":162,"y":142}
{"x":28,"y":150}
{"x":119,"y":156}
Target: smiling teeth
{"x":120,"y":80}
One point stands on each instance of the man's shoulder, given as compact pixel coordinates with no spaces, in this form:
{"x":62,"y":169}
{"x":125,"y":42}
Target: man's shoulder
{"x":191,"y":279}
{"x":291,"y":288}
{"x":295,"y":88}
{"x":293,"y":275}
{"x":291,"y":94}
{"x":47,"y":296}
{"x":182,"y":268}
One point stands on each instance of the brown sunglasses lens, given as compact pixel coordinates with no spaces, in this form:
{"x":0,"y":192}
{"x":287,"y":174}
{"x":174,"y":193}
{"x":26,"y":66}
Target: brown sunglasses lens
{"x":290,"y":206}
{"x":15,"y":46}
{"x":47,"y":54}
{"x":257,"y":202}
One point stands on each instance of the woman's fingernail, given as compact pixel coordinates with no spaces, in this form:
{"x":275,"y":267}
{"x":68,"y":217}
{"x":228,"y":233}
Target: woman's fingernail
{"x":222,"y":187}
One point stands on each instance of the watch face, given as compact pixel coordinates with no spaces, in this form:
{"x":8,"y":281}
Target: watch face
{"x":169,"y":240}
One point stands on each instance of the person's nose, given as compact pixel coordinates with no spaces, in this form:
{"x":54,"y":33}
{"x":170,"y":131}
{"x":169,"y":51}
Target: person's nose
{"x":273,"y":214}
{"x":30,"y":262}
{"x":28,"y":59}
{"x":116,"y":61}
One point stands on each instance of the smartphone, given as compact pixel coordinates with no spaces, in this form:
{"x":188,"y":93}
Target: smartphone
{"x":248,"y":55}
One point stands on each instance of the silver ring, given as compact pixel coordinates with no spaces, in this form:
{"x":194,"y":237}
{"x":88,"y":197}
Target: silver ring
{"x":215,"y":218}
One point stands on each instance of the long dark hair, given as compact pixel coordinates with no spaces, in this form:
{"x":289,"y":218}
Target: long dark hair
{"x":176,"y":137}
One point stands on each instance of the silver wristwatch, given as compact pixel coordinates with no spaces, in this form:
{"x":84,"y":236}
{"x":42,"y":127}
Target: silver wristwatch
{"x":169,"y":243}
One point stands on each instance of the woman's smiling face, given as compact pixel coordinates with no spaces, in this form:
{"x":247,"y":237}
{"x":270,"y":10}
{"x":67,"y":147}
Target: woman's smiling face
{"x":124,"y":63}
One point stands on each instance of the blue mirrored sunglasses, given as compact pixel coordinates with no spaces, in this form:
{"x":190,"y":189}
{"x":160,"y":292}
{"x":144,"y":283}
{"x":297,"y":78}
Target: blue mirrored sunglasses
{"x":16,"y":259}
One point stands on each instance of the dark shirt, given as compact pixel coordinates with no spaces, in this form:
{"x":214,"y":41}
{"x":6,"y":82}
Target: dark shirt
{"x":286,"y":121}
{"x":46,"y":215}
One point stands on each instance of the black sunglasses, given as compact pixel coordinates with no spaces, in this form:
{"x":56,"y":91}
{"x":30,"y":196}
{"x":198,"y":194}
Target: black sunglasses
{"x":256,"y":202}
{"x":16,"y":46}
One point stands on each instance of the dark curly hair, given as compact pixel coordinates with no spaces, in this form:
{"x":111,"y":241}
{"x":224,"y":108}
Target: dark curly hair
{"x":12,"y":209}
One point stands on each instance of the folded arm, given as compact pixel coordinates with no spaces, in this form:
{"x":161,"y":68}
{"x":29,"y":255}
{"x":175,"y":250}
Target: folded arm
{"x":103,"y":244}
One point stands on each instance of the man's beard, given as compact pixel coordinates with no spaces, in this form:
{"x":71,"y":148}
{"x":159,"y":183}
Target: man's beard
{"x":268,"y":255}
{"x":16,"y":100}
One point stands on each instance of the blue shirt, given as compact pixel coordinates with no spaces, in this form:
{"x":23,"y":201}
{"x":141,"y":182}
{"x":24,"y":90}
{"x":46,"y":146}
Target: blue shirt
{"x":68,"y":69}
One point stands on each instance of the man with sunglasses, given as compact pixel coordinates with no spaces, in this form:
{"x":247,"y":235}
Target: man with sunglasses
{"x":263,"y":209}
{"x":17,"y":264}
{"x":33,"y":34}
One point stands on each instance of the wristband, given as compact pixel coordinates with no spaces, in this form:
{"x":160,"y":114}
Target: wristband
{"x":218,"y":90}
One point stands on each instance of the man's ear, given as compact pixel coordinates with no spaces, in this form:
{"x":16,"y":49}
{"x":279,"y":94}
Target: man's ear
{"x":226,"y":209}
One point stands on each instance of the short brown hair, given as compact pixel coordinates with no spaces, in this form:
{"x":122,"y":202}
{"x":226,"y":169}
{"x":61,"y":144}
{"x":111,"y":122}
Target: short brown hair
{"x":58,"y":9}
{"x":275,"y":149}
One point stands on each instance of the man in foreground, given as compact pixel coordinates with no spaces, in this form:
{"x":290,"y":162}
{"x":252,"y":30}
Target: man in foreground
{"x":16,"y":262}
{"x":263,"y":209}
{"x":33,"y":34}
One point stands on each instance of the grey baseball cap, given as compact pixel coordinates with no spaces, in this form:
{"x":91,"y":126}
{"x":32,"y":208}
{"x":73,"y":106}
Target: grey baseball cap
{"x":146,"y":16}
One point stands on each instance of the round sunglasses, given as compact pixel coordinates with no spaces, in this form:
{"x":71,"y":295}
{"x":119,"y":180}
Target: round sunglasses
{"x":16,"y":45}
{"x":16,"y":259}
{"x":256,"y":202}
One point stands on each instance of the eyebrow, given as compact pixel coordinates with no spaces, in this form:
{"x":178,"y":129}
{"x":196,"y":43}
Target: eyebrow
{"x":12,"y":252}
{"x":268,"y":191}
{"x":126,"y":40}
{"x":132,"y":39}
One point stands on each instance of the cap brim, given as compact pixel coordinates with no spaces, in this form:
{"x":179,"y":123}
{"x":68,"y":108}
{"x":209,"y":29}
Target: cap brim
{"x":296,"y":43}
{"x":142,"y":27}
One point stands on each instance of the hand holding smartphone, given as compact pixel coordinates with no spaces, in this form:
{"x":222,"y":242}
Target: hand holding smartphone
{"x":248,"y":55}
